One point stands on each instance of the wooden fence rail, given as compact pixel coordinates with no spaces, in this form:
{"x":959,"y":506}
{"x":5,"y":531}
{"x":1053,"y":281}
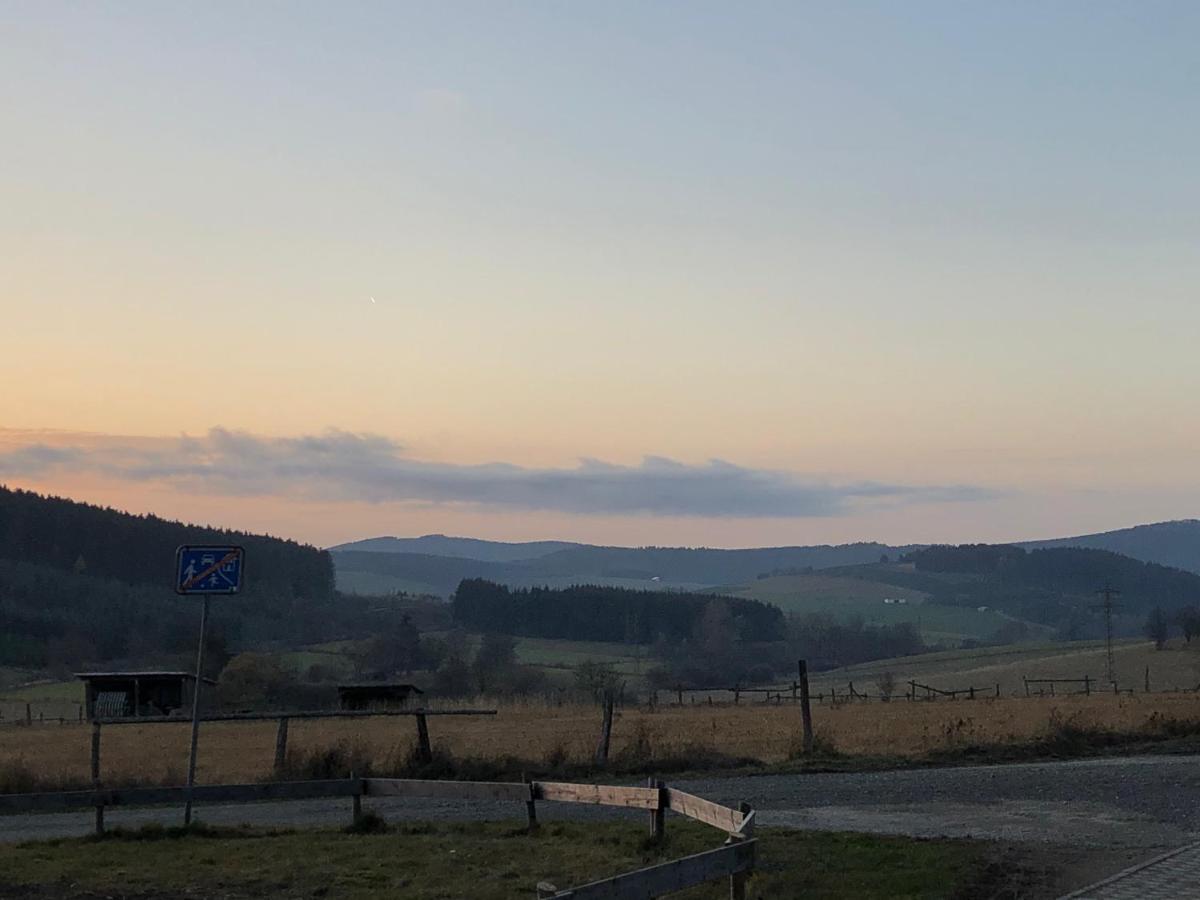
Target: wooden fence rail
{"x":424,"y":747}
{"x":735,"y":860}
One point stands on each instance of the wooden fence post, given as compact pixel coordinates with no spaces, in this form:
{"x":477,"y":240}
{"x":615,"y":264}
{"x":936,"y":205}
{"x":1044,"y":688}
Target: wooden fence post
{"x":1147,"y":679}
{"x":737,"y":881}
{"x":1087,"y":685}
{"x":356,"y":804}
{"x":530,"y":805}
{"x":281,"y":740}
{"x":1026,"y":680}
{"x":605,"y":729}
{"x":28,"y":715}
{"x":96,"y":776}
{"x":424,"y":748}
{"x":679,"y":693}
{"x":805,"y":707}
{"x":658,"y":815}
{"x":997,"y":690}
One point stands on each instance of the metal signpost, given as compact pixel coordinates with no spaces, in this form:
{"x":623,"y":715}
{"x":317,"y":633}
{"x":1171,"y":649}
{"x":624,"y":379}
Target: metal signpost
{"x":204,"y":570}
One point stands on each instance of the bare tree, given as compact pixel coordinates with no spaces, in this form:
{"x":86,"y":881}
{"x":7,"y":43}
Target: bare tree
{"x":1188,"y":621}
{"x":886,"y":682}
{"x":1158,"y":627}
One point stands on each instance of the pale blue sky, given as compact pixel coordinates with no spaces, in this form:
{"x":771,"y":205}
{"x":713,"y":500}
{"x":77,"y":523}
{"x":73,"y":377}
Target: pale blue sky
{"x":925,"y":245}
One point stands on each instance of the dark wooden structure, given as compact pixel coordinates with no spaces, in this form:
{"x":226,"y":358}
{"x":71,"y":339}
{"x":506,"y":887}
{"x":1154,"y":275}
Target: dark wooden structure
{"x":118,"y":695}
{"x":376,"y":695}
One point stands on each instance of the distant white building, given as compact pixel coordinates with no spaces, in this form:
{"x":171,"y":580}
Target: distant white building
{"x":888,"y":600}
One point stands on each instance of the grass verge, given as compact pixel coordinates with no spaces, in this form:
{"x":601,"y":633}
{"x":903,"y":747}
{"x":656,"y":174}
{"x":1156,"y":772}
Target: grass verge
{"x":487,"y":861}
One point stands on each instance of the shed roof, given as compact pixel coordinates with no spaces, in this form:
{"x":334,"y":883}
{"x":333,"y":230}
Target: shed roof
{"x":85,"y":676}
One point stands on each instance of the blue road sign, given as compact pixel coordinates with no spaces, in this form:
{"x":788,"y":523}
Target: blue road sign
{"x":208,"y":569}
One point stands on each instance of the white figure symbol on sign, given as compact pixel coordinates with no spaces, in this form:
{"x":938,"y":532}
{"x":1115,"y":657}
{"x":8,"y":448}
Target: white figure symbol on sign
{"x":190,"y":572}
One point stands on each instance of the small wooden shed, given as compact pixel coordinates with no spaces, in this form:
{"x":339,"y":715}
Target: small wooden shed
{"x":376,"y":695}
{"x":116,"y":695}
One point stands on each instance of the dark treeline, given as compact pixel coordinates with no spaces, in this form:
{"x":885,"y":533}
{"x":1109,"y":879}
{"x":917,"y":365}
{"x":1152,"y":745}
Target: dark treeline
{"x":711,"y":658}
{"x":1056,"y":586}
{"x":79,"y":537}
{"x":594,"y":613}
{"x":80,"y":585}
{"x":827,"y":642}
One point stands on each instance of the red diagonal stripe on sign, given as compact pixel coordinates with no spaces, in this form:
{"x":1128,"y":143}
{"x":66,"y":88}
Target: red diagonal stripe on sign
{"x":200,"y":576}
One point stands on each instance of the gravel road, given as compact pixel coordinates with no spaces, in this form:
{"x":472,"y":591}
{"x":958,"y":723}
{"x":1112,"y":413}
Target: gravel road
{"x":1131,"y":803}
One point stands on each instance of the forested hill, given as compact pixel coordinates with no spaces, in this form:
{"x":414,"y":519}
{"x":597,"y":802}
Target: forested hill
{"x":82,"y":585}
{"x":597,"y":613}
{"x":373,"y":566}
{"x":85,"y":539}
{"x":1174,"y":544}
{"x":1049,"y":585}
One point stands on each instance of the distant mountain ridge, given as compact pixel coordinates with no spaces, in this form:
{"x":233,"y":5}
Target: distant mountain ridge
{"x":373,"y":567}
{"x":435,"y":563}
{"x":456,"y":547}
{"x":1175,"y":544}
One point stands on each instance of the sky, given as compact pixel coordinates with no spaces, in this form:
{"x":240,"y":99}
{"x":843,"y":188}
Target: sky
{"x":630,"y":273}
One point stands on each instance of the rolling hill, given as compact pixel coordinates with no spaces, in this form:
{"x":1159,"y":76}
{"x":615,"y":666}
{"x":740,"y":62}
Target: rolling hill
{"x":82,"y":583}
{"x":1175,"y":544}
{"x":456,"y":547}
{"x":435,"y":563}
{"x":681,"y":568}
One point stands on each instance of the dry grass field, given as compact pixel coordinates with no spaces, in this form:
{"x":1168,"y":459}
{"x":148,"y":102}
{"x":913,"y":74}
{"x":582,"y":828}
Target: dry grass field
{"x":540,"y":734}
{"x":1176,"y":667}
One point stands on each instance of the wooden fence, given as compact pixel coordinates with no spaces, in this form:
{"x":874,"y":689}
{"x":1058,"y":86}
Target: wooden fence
{"x":424,"y":746}
{"x":734,"y":861}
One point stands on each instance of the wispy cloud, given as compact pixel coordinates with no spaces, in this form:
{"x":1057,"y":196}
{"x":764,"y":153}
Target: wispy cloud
{"x":338,"y":465}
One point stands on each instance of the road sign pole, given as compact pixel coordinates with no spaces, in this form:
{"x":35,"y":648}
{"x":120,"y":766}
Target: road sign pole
{"x":191,"y":776}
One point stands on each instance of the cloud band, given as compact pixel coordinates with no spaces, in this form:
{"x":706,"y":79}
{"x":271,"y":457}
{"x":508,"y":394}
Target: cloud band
{"x":338,"y":465}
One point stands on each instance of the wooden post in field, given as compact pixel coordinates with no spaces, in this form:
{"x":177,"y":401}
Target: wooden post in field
{"x":28,"y":715}
{"x":658,"y":815}
{"x":530,"y":806}
{"x":356,"y":805}
{"x":1147,"y":679}
{"x":997,"y":690}
{"x":1087,"y":685}
{"x":794,"y":687}
{"x":805,"y":707}
{"x":605,"y":729}
{"x":736,"y":694}
{"x":281,"y":738}
{"x":96,"y":776}
{"x":424,"y":749}
{"x":679,"y":693}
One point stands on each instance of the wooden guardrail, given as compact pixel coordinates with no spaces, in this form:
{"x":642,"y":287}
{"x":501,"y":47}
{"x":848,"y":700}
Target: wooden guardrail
{"x":735,"y":860}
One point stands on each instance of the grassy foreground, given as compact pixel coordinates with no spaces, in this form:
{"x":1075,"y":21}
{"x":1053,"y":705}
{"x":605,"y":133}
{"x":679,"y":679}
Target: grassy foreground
{"x":486,"y":861}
